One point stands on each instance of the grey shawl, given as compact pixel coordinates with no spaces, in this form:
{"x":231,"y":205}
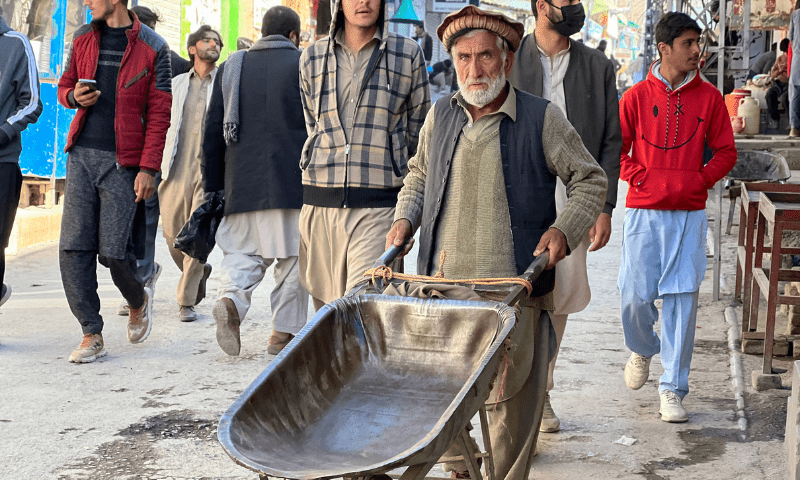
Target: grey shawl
{"x":231,"y":78}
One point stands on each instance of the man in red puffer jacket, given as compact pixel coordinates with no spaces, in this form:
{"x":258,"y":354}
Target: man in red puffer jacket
{"x":115,"y":146}
{"x":666,"y":121}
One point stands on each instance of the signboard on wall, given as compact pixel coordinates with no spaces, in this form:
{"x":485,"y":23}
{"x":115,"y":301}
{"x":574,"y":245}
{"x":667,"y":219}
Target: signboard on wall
{"x":595,"y":30}
{"x":447,"y":6}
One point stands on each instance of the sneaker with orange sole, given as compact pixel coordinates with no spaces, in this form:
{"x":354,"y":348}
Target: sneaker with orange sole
{"x":140,"y":320}
{"x":90,"y":349}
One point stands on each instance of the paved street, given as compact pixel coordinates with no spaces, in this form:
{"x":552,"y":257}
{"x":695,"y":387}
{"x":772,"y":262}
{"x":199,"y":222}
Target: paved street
{"x":150,"y":411}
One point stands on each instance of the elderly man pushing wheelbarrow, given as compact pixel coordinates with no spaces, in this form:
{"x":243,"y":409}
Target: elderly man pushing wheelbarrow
{"x":482,"y":189}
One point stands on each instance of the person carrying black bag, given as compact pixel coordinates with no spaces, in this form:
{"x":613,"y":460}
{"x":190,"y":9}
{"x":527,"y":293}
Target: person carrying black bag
{"x":254,"y":134}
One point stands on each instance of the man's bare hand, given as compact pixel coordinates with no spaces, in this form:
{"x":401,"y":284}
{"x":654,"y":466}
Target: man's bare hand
{"x":144,"y":186}
{"x":554,"y":242}
{"x":600,"y":233}
{"x":401,"y":230}
{"x":84,"y":96}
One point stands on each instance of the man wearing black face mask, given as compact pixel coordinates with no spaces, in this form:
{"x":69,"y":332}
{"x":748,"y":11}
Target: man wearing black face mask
{"x":581,"y":82}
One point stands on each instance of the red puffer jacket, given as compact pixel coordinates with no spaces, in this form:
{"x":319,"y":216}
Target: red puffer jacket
{"x":144,"y":93}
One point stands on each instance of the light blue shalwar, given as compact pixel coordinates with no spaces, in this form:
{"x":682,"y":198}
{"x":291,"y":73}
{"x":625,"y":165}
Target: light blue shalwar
{"x":663,"y":256}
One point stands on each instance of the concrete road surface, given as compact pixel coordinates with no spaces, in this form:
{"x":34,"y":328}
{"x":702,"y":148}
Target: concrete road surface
{"x":150,"y":411}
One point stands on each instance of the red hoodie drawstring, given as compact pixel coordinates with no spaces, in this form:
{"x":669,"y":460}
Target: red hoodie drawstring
{"x":677,"y":119}
{"x":666,"y":134}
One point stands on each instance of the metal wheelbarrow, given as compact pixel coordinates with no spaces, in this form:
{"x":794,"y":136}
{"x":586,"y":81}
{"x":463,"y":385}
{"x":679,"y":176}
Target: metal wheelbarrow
{"x":373,"y":383}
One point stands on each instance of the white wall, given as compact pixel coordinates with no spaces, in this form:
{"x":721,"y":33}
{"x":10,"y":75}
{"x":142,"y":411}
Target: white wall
{"x":170,"y":25}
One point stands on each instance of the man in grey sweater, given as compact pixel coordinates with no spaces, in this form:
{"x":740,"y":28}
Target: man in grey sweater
{"x":481,"y":189}
{"x":20,"y":106}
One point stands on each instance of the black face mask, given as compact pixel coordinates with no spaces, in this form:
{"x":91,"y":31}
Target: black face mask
{"x":572,"y":16}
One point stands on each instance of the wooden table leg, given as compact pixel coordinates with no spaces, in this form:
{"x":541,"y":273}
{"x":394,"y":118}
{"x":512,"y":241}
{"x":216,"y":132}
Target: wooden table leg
{"x":747,"y":321}
{"x":739,"y":266}
{"x":772,"y":296}
{"x":758,"y":262}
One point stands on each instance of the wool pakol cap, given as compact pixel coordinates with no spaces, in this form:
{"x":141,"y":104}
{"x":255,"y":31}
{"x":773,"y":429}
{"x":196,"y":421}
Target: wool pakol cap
{"x":472,"y":17}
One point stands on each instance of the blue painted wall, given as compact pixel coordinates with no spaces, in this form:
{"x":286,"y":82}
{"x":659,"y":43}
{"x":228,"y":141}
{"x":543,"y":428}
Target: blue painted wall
{"x":43,"y":142}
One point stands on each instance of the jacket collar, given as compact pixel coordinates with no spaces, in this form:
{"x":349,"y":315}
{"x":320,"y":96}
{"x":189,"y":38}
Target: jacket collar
{"x":132,"y":32}
{"x":213,"y":73}
{"x":272,"y":41}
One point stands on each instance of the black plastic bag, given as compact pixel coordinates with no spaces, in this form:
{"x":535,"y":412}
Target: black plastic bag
{"x":196,"y":238}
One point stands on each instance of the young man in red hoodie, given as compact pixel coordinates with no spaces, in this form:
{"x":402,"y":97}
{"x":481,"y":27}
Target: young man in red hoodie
{"x":666,"y":121}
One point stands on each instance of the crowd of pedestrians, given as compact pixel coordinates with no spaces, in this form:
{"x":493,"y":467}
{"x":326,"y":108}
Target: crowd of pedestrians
{"x":522,"y":158}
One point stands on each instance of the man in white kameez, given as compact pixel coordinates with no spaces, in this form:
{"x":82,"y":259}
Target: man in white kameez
{"x":255,"y":131}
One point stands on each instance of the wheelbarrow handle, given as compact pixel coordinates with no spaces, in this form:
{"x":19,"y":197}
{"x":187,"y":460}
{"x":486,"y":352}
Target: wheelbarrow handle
{"x":532,"y":273}
{"x":390,"y":255}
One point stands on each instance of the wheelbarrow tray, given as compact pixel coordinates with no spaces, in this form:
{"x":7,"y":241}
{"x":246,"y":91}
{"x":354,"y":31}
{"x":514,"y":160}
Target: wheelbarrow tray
{"x":371,"y":383}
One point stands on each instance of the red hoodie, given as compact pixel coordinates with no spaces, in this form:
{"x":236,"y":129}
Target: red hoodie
{"x":663,"y":135}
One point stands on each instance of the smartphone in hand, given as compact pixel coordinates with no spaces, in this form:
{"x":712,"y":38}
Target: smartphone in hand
{"x":92,"y":84}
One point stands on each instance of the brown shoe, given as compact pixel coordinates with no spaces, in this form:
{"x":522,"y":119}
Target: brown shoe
{"x":227,"y":320}
{"x":201,"y":289}
{"x":795,"y":132}
{"x":90,"y":349}
{"x":140,"y":320}
{"x":277,"y":341}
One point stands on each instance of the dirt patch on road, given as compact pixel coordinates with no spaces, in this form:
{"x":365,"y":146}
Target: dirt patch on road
{"x":133,"y":456}
{"x":702,"y":445}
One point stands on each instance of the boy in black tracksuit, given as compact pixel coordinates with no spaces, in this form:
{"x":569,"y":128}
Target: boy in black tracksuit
{"x":20,"y":106}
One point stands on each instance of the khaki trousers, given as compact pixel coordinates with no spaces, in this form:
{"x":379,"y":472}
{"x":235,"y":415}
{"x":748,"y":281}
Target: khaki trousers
{"x":179,"y":199}
{"x":337,"y":245}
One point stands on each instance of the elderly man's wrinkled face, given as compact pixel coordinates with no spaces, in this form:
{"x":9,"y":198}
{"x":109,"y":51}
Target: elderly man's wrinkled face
{"x":481,"y":67}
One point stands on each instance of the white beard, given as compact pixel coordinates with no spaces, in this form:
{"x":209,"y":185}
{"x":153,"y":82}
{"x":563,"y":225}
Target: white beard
{"x":481,"y":98}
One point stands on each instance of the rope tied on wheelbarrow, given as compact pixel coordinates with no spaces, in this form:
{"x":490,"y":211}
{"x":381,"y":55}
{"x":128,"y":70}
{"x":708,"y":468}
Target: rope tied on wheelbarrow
{"x":388,"y":274}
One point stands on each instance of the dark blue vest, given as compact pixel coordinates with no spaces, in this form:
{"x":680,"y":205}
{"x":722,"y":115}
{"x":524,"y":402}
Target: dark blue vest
{"x":530,"y":185}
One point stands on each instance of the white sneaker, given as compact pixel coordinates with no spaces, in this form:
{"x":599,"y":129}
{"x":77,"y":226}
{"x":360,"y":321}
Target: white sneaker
{"x":672,"y":410}
{"x":636,"y":371}
{"x":550,"y":422}
{"x":140,"y":320}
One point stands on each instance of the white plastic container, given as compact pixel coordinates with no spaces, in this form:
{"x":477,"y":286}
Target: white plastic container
{"x":759,"y":93}
{"x":750,"y":111}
